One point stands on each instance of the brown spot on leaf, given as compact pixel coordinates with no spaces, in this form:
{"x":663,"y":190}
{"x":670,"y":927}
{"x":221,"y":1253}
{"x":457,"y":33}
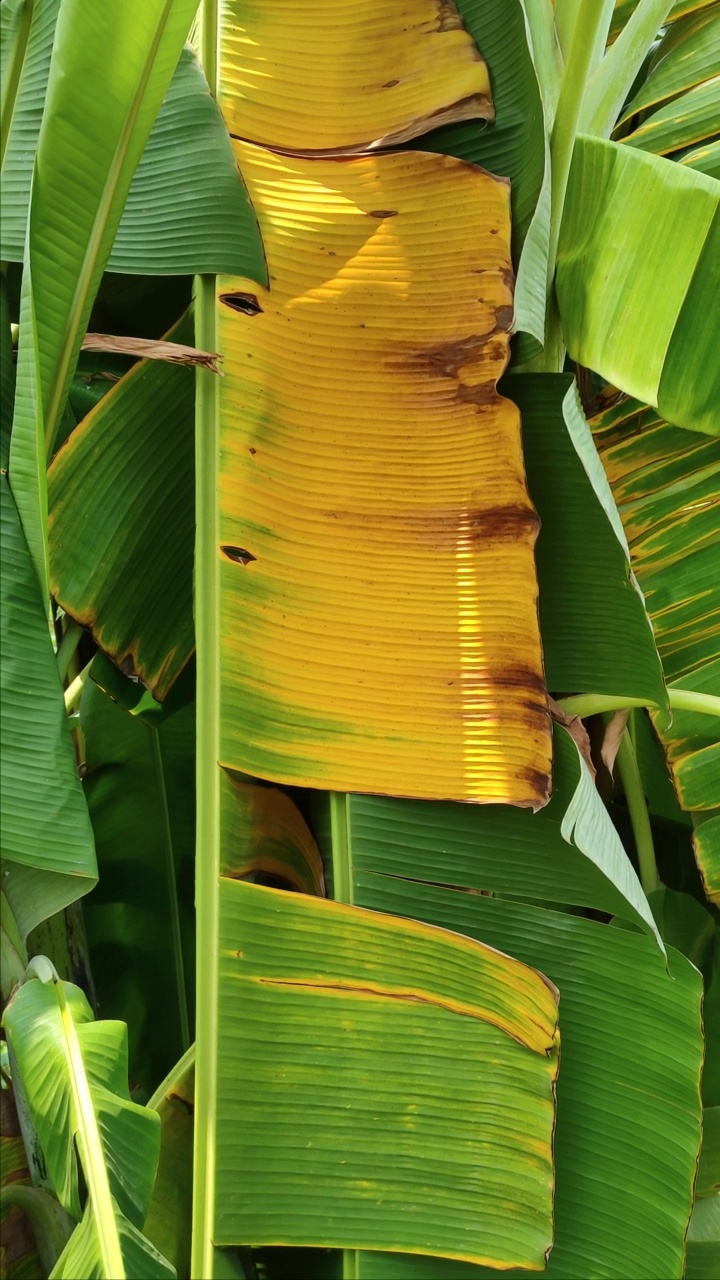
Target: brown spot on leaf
{"x":382,"y":213}
{"x":504,"y":317}
{"x":390,"y":84}
{"x":521,"y":677}
{"x":504,"y":522}
{"x":484,"y":393}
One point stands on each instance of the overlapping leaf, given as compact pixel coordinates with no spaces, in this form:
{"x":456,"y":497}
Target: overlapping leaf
{"x":121,"y":494}
{"x":88,"y":149}
{"x":688,"y":54}
{"x":47,"y":841}
{"x":645,"y":330}
{"x":569,"y":852}
{"x":385,"y":1162}
{"x":376,"y":75}
{"x":627,"y":1094}
{"x":593,"y":620}
{"x":139,"y":787}
{"x":514,"y":146}
{"x":74,"y":1074}
{"x":377,"y":578}
{"x":667,"y":486}
{"x":186,"y":209}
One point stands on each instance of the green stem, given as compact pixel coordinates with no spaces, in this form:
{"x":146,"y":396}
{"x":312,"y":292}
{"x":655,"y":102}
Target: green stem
{"x":629,"y":773}
{"x":546,"y":54}
{"x":68,"y":645}
{"x":613,"y":78}
{"x":73,"y":693}
{"x":11,"y":79}
{"x":171,"y":877}
{"x":567,"y":13}
{"x":207,"y":612}
{"x":585,"y":30}
{"x":592,"y":704}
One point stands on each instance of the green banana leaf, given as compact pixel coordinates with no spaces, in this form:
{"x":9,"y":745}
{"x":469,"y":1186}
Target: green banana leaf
{"x":703,"y":1241}
{"x":88,"y":149}
{"x":84,"y":1254}
{"x":365,"y":1010}
{"x":625,"y":8}
{"x":26,"y":33}
{"x":568,"y":852}
{"x":688,"y":54}
{"x":74,"y":1074}
{"x":7,"y":375}
{"x":382,"y":1162}
{"x":186,"y":210}
{"x":108,"y":505}
{"x":168,"y":1220}
{"x":595,"y":628}
{"x":644,"y":330}
{"x":47,"y":840}
{"x":667,"y":486}
{"x":687,"y":120}
{"x":706,"y":158}
{"x":708,"y":1179}
{"x":139,"y":787}
{"x":628,"y":1105}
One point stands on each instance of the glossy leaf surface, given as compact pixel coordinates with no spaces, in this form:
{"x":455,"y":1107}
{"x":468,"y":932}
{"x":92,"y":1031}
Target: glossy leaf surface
{"x":644,"y":330}
{"x":74,"y":1074}
{"x":378,"y":587}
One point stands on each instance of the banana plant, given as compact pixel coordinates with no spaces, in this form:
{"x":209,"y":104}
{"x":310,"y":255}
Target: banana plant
{"x":413,"y":579}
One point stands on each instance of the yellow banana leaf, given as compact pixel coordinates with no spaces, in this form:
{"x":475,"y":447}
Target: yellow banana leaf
{"x":297,"y":75}
{"x":378,"y":595}
{"x":666,"y":483}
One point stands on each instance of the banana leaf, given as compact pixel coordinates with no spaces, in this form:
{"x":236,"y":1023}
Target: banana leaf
{"x":47,"y":840}
{"x":139,"y":527}
{"x":139,"y":787}
{"x":644,"y":330}
{"x":374,"y":77}
{"x":378,"y":586}
{"x":568,"y":853}
{"x":706,"y":158}
{"x":703,"y":1243}
{"x":88,"y":149}
{"x":513,"y":146}
{"x":687,"y":120}
{"x":186,"y":209}
{"x":680,"y":9}
{"x":74,"y":1074}
{"x":167,"y":1224}
{"x":628,"y":1104}
{"x":667,"y":486}
{"x":688,"y":54}
{"x":382,"y":1163}
{"x":596,"y":632}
